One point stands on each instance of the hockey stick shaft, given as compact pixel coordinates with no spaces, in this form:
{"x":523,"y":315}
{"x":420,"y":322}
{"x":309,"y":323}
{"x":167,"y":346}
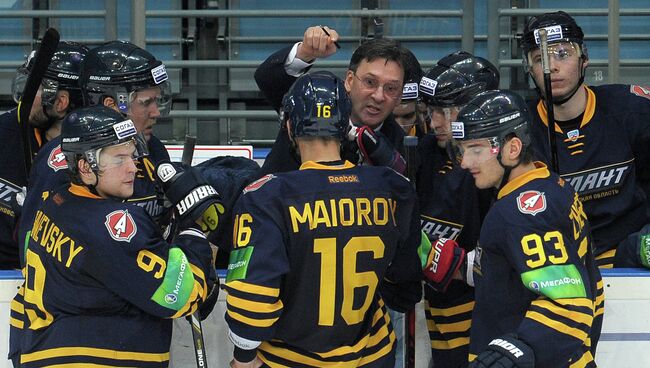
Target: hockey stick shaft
{"x":548,"y":97}
{"x":410,"y":147}
{"x":42,"y":59}
{"x":195,"y":318}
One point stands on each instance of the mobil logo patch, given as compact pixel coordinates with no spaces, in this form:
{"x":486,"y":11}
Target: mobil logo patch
{"x":531,"y":202}
{"x":56,"y":160}
{"x":120,"y":225}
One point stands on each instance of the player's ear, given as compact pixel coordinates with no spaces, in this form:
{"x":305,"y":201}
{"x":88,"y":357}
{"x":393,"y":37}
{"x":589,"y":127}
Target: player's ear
{"x":514,"y":148}
{"x":110,"y":102}
{"x":62,"y":102}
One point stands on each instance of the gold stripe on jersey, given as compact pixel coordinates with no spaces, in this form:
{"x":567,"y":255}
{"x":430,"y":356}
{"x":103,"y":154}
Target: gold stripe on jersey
{"x":584,"y":360}
{"x":606,"y":259}
{"x":447,"y":312}
{"x":255,"y":322}
{"x":254,"y":289}
{"x":576,"y":302}
{"x":16,"y":323}
{"x":460,"y":326}
{"x":574,"y":315}
{"x":472,"y":357}
{"x":203,"y":283}
{"x":449,"y":344}
{"x":315,"y":165}
{"x":556,"y":325}
{"x":258,"y":307}
{"x":540,"y":172}
{"x":82,"y":365}
{"x":17,"y":306}
{"x":93,"y":352}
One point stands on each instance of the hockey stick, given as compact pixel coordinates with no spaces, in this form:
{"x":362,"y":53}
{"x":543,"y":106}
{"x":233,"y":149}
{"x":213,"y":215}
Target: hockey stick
{"x":548,"y":96}
{"x":410,"y":146}
{"x":42,"y":59}
{"x":195,"y":318}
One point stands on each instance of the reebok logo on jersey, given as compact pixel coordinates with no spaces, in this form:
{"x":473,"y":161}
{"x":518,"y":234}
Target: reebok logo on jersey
{"x":57,"y":159}
{"x":120,"y":225}
{"x":257,"y":184}
{"x":531,"y":202}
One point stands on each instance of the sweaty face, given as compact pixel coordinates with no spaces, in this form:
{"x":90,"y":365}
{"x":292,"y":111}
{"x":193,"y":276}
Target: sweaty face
{"x":143,"y":110}
{"x":440,"y":123}
{"x":405,"y":115}
{"x":375,"y":89}
{"x":479,"y":157}
{"x":565,"y":64}
{"x":117,"y":171}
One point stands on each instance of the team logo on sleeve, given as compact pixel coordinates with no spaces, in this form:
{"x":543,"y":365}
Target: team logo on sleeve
{"x":531,"y":202}
{"x":57,"y":159}
{"x":257,"y":184}
{"x":120,"y":225}
{"x":640,"y":91}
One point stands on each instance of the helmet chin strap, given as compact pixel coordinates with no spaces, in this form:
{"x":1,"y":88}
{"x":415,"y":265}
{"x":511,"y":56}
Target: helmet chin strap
{"x":506,"y":171}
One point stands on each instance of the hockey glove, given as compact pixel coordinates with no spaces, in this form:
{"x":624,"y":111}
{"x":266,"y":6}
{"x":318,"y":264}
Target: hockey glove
{"x":208,"y":304}
{"x":193,"y":199}
{"x":375,"y":149}
{"x":505,"y":352}
{"x":440,"y":261}
{"x":401,"y":297}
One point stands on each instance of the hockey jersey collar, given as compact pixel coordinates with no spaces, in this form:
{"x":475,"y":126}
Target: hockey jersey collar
{"x":586,"y":117}
{"x":82,"y":191}
{"x":540,"y":172}
{"x":318,"y":166}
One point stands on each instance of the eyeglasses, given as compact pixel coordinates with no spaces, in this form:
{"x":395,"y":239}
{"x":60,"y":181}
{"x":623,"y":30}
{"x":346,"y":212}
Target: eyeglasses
{"x":391,"y":89}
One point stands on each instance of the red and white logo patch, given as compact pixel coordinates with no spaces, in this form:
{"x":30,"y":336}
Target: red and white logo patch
{"x":56,"y":160}
{"x":257,"y":184}
{"x":531,"y":202}
{"x":120,"y":225}
{"x":640,"y":91}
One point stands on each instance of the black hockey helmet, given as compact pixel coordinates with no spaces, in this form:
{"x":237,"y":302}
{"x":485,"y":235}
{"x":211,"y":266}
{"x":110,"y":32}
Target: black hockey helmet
{"x":413,"y":74}
{"x":317,"y":105}
{"x":560,"y":27}
{"x":118,"y":68}
{"x":87,"y":130}
{"x":494,"y":114}
{"x":456,"y":79}
{"x":63,"y":73}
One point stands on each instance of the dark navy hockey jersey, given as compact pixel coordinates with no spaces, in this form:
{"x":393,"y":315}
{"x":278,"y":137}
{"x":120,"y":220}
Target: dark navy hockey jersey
{"x":602,"y":158}
{"x":535,"y":275}
{"x":101,"y":283}
{"x":311,"y":248}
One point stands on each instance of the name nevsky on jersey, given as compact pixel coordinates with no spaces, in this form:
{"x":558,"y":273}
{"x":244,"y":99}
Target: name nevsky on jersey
{"x":599,"y":179}
{"x":344,"y":212}
{"x":53,"y":239}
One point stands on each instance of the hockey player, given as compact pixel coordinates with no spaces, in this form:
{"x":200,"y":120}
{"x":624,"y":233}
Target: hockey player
{"x":588,"y":118}
{"x":445,"y":213}
{"x":538,"y":292}
{"x":313,"y":247}
{"x":59,"y":93}
{"x":101,"y":284}
{"x":406,"y":113}
{"x":374,"y":82}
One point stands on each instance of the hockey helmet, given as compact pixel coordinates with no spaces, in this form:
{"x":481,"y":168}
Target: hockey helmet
{"x":63,"y":73}
{"x":456,"y":79}
{"x":117,"y":69}
{"x":413,"y":74}
{"x":317,"y":105}
{"x":560,"y":27}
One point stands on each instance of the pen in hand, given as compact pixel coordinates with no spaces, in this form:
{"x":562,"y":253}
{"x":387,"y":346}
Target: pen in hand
{"x":328,"y":34}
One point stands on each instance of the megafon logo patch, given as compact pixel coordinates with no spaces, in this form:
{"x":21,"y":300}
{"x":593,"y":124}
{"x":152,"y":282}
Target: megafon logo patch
{"x":56,"y":160}
{"x":257,"y":184}
{"x":120,"y":225}
{"x":531,"y":202}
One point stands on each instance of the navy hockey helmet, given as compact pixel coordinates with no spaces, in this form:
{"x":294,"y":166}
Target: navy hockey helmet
{"x":87,"y":130}
{"x":560,"y":27}
{"x":63,"y":73}
{"x":494,"y":115}
{"x":116,"y":69}
{"x":317,"y":105}
{"x":456,"y":79}
{"x":413,"y":74}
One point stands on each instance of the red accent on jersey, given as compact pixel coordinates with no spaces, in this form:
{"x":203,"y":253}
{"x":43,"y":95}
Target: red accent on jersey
{"x":257,"y":184}
{"x":531,"y":202}
{"x":57,"y":160}
{"x":640,"y":91}
{"x":120,"y":225}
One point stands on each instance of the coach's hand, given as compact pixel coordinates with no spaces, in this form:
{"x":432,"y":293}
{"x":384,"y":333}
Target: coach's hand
{"x":317,"y":44}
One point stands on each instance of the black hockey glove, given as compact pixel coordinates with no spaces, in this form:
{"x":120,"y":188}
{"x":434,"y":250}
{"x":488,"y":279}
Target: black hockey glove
{"x":401,"y":297}
{"x":505,"y":352}
{"x":375,"y":149}
{"x":194,"y":200}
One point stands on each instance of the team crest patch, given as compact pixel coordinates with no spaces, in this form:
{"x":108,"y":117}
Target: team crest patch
{"x":120,"y":225}
{"x":640,"y":91}
{"x":531,"y":202}
{"x":573,"y":135}
{"x":257,"y":184}
{"x":57,"y":159}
